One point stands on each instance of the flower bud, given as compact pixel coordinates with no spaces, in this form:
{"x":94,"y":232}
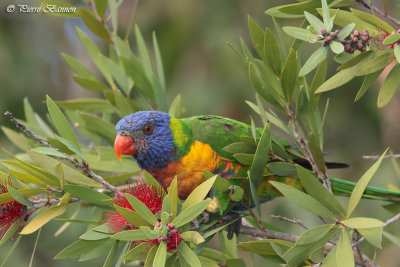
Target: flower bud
{"x":170,"y":226}
{"x":328,"y":38}
{"x":365,"y":33}
{"x":356,"y":33}
{"x":354,"y":40}
{"x":323,"y":31}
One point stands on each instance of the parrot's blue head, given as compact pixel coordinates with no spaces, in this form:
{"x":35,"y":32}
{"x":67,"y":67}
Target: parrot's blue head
{"x":147,"y":137}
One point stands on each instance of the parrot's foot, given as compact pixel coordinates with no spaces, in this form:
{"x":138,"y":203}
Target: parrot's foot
{"x":205,"y":216}
{"x":233,"y":228}
{"x":195,"y":224}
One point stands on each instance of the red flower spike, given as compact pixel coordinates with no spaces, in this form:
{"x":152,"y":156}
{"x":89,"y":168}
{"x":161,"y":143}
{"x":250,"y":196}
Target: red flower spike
{"x":10,"y":213}
{"x":173,"y":241}
{"x":148,"y":195}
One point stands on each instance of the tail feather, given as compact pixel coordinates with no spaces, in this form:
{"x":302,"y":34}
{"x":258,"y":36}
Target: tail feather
{"x":340,"y":186}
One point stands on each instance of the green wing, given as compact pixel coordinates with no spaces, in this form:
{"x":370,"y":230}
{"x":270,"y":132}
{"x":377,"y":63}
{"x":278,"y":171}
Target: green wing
{"x":218,"y":132}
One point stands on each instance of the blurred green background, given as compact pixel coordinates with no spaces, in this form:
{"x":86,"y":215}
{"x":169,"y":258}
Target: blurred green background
{"x":211,"y":79}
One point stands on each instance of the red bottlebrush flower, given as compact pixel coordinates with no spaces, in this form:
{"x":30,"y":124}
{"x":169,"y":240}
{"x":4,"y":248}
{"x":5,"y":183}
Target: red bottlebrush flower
{"x":173,"y":241}
{"x":148,"y":195}
{"x":10,"y":213}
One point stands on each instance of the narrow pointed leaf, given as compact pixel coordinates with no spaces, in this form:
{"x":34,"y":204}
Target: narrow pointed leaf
{"x":389,"y":87}
{"x":344,"y":251}
{"x":313,"y":60}
{"x":199,"y":193}
{"x":317,"y":24}
{"x":299,"y":33}
{"x":362,"y":222}
{"x":141,"y":209}
{"x":188,"y":255}
{"x":161,"y":255}
{"x":190,"y":213}
{"x":271,"y":51}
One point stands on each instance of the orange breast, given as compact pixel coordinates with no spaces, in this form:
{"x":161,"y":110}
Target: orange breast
{"x":189,"y":170}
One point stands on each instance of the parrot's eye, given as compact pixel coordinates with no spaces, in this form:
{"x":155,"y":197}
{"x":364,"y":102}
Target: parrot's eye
{"x":123,"y":133}
{"x":147,"y":129}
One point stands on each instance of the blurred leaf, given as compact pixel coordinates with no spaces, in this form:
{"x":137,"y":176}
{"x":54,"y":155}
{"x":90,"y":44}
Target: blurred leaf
{"x":24,"y":177}
{"x":141,"y":209}
{"x":271,"y":51}
{"x":299,"y":8}
{"x":150,"y":256}
{"x":394,"y":239}
{"x":389,"y":87}
{"x":10,"y":232}
{"x":130,"y":235}
{"x":263,"y":247}
{"x":134,"y":69}
{"x":186,"y":253}
{"x":362,"y":184}
{"x":132,"y":217}
{"x":396,"y":51}
{"x":336,"y":47}
{"x":161,"y":255}
{"x":27,"y":192}
{"x":235,"y":263}
{"x":144,"y":54}
{"x":87,"y":104}
{"x":240,"y":147}
{"x":299,"y":33}
{"x":42,"y":218}
{"x":316,"y":151}
{"x":118,"y":73}
{"x":330,"y":259}
{"x":378,"y":62}
{"x":315,"y":22}
{"x":175,"y":109}
{"x":190,"y":213}
{"x":338,"y":79}
{"x":313,"y":61}
{"x":362,"y":222}
{"x":16,"y":138}
{"x":99,"y":126}
{"x":303,"y":200}
{"x":344,"y":251}
{"x":212,"y":254}
{"x":257,"y":37}
{"x":77,"y":248}
{"x":391,"y":39}
{"x":192,"y":237}
{"x":372,"y":19}
{"x":87,"y":194}
{"x":61,"y":122}
{"x":112,"y":255}
{"x":93,"y":24}
{"x":123,"y":105}
{"x":90,"y":84}
{"x":320,"y":75}
{"x":314,"y":234}
{"x":276,"y":13}
{"x":94,"y":235}
{"x":138,"y":252}
{"x":78,"y":68}
{"x":15,"y":194}
{"x":368,"y":81}
{"x":159,"y":64}
{"x":199,"y":193}
{"x":326,"y":16}
{"x":315,"y":189}
{"x":372,"y":235}
{"x":345,"y":31}
{"x":101,"y":7}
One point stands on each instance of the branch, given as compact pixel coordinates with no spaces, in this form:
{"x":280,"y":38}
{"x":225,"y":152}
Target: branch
{"x":83,"y":165}
{"x":380,"y":12}
{"x":392,"y":156}
{"x":322,"y":177}
{"x":393,"y":219}
{"x":294,"y":220}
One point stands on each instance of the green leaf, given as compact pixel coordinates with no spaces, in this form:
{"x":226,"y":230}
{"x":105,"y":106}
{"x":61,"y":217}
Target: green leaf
{"x":42,"y":218}
{"x":101,"y":7}
{"x":316,"y":151}
{"x":159,"y":65}
{"x":18,"y":139}
{"x":313,"y":61}
{"x":240,"y":147}
{"x":299,"y":8}
{"x":139,"y":252}
{"x":389,"y":86}
{"x":118,"y":73}
{"x":378,"y":62}
{"x":315,"y":189}
{"x":362,"y":222}
{"x":344,"y":251}
{"x":338,"y":79}
{"x":99,"y":126}
{"x":190,"y":213}
{"x":355,"y":60}
{"x":263,"y":247}
{"x":281,"y":168}
{"x":77,"y":248}
{"x":10,"y":232}
{"x":70,"y":146}
{"x":326,"y":16}
{"x":130,"y":235}
{"x":61,"y":122}
{"x":303,"y":200}
{"x":6,"y":197}
{"x":330,"y":259}
{"x":175,"y":109}
{"x":260,"y":161}
{"x":151,"y":181}
{"x":391,"y":39}
{"x":87,"y":194}
{"x":299,"y":33}
{"x":150,"y":256}
{"x":336,"y":47}
{"x":134,"y":69}
{"x":112,"y":255}
{"x":199,"y":193}
{"x":236,"y":193}
{"x":93,"y":24}
{"x":185,"y":252}
{"x":320,"y":75}
{"x":173,"y":197}
{"x":10,"y":251}
{"x":368,"y":81}
{"x":245,"y":159}
{"x":394,"y":239}
{"x":396,"y":51}
{"x":346,"y":31}
{"x":50,"y":152}
{"x":271,"y":51}
{"x":15,"y":194}
{"x":141,"y":209}
{"x":372,"y":19}
{"x":132,"y":217}
{"x":87,"y":104}
{"x":90,"y":84}
{"x":192,"y":237}
{"x":257,"y":37}
{"x":362,"y":184}
{"x":161,"y":255}
{"x":314,"y":234}
{"x":123,"y":104}
{"x":78,"y":68}
{"x":144,"y":54}
{"x":372,"y":235}
{"x":315,"y":22}
{"x":94,"y":235}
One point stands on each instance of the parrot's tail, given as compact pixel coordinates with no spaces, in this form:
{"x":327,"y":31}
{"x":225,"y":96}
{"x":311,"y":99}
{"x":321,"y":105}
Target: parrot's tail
{"x":340,"y":186}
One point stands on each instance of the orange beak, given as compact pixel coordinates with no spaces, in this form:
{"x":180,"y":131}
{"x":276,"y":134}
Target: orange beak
{"x":124,"y":145}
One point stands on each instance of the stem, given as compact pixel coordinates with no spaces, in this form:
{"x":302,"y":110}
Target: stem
{"x":380,"y":12}
{"x":294,"y":220}
{"x":83,"y":165}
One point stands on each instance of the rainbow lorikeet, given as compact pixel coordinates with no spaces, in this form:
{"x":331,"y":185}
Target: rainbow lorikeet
{"x":168,"y":147}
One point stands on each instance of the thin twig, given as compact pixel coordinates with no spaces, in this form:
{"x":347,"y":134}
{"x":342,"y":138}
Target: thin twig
{"x":252,"y":214}
{"x":322,"y":177}
{"x":359,"y":252}
{"x":379,"y":11}
{"x":53,"y":200}
{"x":83,"y":165}
{"x":294,"y":220}
{"x":393,"y":156}
{"x":393,"y":219}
